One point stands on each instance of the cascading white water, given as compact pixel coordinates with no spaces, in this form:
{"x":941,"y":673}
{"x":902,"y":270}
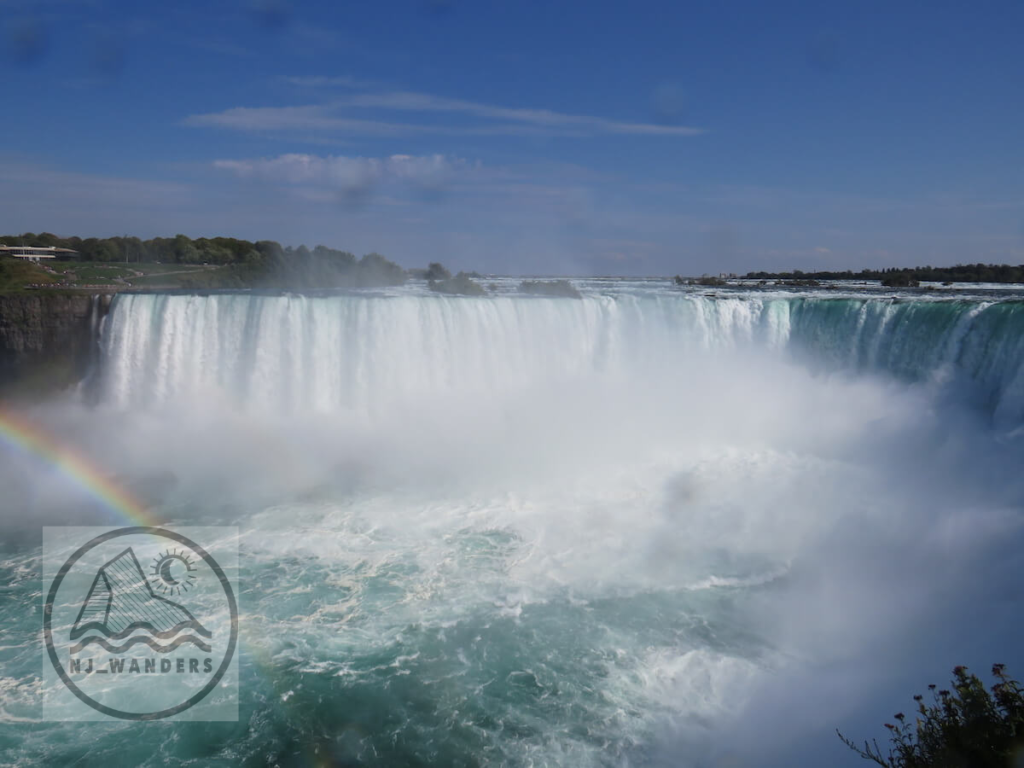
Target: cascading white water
{"x":363,"y":353}
{"x":356,"y":352}
{"x":518,"y":530}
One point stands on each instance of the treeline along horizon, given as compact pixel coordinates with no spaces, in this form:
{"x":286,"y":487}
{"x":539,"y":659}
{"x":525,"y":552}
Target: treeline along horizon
{"x":961,"y":273}
{"x":268,"y":263}
{"x":244,"y":263}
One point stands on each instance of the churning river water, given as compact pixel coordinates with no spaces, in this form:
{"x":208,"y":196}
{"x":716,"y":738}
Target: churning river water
{"x":645,"y":527}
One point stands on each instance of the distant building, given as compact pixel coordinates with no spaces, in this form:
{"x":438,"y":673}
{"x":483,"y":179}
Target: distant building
{"x":36,"y":253}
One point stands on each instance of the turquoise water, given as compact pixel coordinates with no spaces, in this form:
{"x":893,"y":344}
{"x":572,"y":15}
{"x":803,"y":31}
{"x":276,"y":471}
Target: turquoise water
{"x":643,"y":528}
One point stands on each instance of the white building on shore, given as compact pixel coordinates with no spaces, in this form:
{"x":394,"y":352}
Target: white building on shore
{"x":36,"y":253}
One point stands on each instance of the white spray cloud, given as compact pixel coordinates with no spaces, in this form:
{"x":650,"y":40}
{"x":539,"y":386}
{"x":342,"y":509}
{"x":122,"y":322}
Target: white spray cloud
{"x":807,"y":531}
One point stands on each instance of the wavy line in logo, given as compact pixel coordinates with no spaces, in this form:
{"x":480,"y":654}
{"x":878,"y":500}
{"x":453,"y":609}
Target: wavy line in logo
{"x":121,"y":602}
{"x":140,"y":625}
{"x":141,"y":640}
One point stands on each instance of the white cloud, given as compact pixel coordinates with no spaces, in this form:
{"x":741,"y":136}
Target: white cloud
{"x":348,"y":174}
{"x":314,"y":117}
{"x":488,"y":120}
{"x":421,"y":102}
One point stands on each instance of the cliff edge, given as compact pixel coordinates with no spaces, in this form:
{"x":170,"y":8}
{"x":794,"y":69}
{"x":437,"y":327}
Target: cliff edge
{"x":47,"y":340}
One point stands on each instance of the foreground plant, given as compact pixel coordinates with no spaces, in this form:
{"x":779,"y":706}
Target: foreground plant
{"x":966,"y":727}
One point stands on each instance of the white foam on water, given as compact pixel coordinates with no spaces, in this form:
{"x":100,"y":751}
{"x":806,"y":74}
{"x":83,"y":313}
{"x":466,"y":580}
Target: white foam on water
{"x":587,"y":532}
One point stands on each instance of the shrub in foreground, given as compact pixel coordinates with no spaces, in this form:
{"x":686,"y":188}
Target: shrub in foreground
{"x":966,"y":727}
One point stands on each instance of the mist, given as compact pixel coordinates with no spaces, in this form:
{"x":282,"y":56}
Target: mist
{"x":690,"y":544}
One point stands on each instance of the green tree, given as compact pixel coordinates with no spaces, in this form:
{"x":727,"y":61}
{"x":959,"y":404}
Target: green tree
{"x":374,"y":270}
{"x":184,"y":251}
{"x":437,"y":271}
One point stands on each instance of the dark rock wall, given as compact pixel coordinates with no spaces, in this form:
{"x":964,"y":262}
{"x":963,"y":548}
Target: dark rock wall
{"x":47,"y":340}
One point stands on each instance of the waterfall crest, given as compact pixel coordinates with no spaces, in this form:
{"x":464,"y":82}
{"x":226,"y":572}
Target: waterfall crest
{"x":362,"y":352}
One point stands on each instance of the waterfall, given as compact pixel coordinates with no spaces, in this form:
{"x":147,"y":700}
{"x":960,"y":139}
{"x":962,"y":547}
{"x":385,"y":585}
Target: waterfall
{"x":362,"y":352}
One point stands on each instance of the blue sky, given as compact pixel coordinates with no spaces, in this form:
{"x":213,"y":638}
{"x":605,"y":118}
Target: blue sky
{"x":526,"y":137}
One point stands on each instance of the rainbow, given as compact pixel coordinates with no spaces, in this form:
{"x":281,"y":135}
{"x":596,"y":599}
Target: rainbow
{"x":24,"y":437}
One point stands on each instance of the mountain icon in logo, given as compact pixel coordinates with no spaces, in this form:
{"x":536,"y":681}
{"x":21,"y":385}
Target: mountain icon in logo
{"x":121,"y":605}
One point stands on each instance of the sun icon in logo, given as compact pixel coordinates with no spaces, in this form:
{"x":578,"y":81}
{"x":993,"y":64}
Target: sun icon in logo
{"x":173,"y":572}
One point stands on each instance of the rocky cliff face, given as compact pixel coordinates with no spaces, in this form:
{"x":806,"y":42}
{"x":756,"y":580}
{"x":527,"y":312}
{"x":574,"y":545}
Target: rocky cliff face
{"x":47,"y":340}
